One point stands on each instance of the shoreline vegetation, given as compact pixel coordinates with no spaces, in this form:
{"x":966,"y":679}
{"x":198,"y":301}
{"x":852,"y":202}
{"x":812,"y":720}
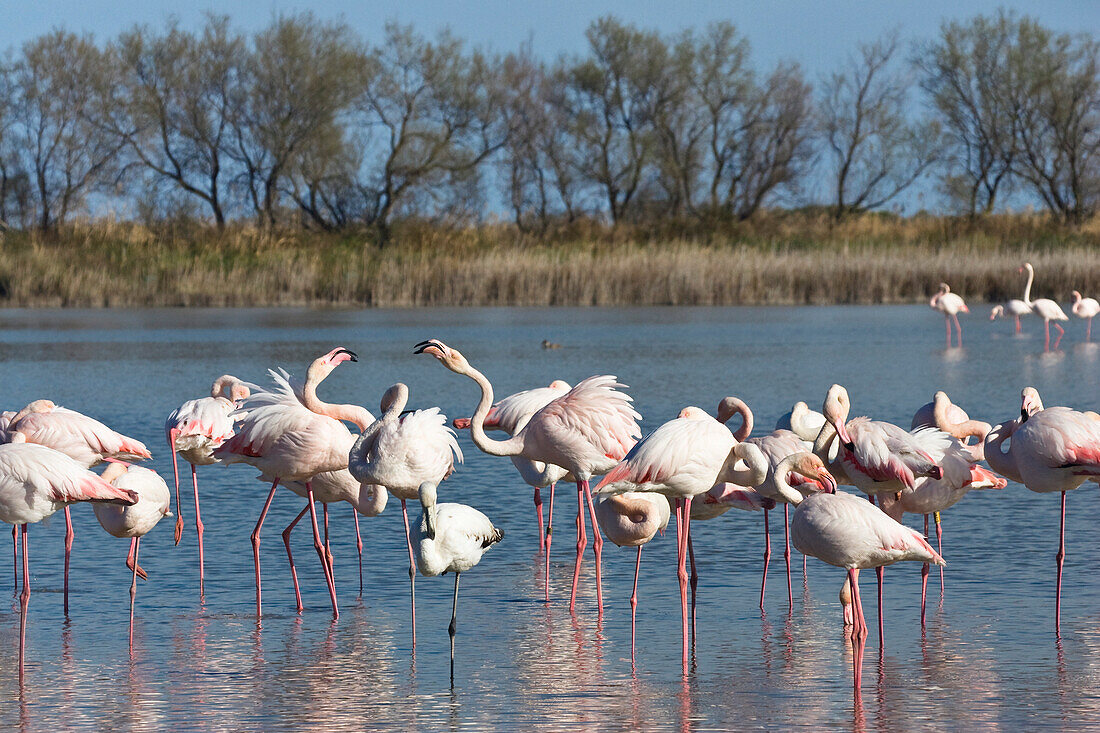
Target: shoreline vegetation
{"x":778,"y":258}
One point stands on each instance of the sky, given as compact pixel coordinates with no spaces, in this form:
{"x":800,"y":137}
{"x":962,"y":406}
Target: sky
{"x":819,"y":34}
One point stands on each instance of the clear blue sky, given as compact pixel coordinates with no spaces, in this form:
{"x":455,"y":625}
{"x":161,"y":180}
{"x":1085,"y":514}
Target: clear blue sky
{"x":816,"y":33}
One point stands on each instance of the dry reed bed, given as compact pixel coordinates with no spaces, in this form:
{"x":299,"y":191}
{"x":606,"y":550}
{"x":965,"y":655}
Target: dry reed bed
{"x":869,"y":263}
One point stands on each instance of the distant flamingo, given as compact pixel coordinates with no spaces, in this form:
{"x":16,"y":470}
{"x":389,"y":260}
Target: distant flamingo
{"x":36,"y":481}
{"x":950,"y":304}
{"x":86,"y":440}
{"x":682,"y":459}
{"x":402,"y":453}
{"x":845,"y":531}
{"x":450,"y":538}
{"x":137,"y":520}
{"x":510,"y":414}
{"x":1014,"y":308}
{"x":586,"y":431}
{"x":1085,"y":308}
{"x":1047,"y":309}
{"x":632,"y":520}
{"x":1052,"y":449}
{"x":294,"y":437}
{"x":194,"y":430}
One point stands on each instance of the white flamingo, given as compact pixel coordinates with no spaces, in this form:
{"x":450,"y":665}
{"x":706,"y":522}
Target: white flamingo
{"x":950,"y":305}
{"x":1014,"y":308}
{"x":1086,"y":308}
{"x":1046,"y":309}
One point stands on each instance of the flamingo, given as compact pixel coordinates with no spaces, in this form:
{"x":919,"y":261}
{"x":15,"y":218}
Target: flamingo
{"x":1047,"y":309}
{"x":194,"y":430}
{"x":1052,"y":449}
{"x":586,"y":431}
{"x":1085,"y":308}
{"x":802,"y":421}
{"x":402,"y":452}
{"x":136,"y":520}
{"x":36,"y":481}
{"x":84,"y":439}
{"x":450,"y":538}
{"x":950,"y":304}
{"x":1014,"y":308}
{"x":291,"y":435}
{"x":843,"y":530}
{"x":510,"y":414}
{"x":632,"y":520}
{"x":684,"y":458}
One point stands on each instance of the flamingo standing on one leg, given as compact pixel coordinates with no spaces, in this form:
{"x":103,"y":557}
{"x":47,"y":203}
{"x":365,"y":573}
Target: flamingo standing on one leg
{"x":1052,"y":449}
{"x":194,"y":430}
{"x":632,"y":520}
{"x":450,"y":538}
{"x":845,"y":531}
{"x":1014,"y":308}
{"x":36,"y":481}
{"x":292,"y":435}
{"x":1047,"y":309}
{"x":402,"y":452}
{"x":950,"y":304}
{"x":136,"y":520}
{"x":86,"y":440}
{"x":1085,"y":308}
{"x":586,"y":431}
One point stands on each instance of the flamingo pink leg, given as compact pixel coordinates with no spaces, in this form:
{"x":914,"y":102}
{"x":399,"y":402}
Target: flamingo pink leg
{"x":582,"y":540}
{"x":15,"y":554}
{"x":787,"y":554}
{"x":538,"y":510}
{"x":321,"y":550}
{"x":359,"y":548}
{"x":681,"y":571}
{"x":172,"y":435}
{"x":549,"y":538}
{"x":290,"y":556}
{"x":767,"y":558}
{"x":1060,"y":557}
{"x":1088,"y":330}
{"x":858,"y":633}
{"x":132,"y":564}
{"x":923,"y":579}
{"x":412,"y":568}
{"x":634,"y":602}
{"x":198,"y":530}
{"x":958,"y":328}
{"x":135,"y":543}
{"x":256,"y":544}
{"x":328,"y":547}
{"x":947,"y":322}
{"x":939,"y":545}
{"x":1061,"y":333}
{"x":694,"y":580}
{"x":597,"y":546}
{"x":1046,"y":342}
{"x":69,"y":535}
{"x":24,"y":602}
{"x":1017,"y":324}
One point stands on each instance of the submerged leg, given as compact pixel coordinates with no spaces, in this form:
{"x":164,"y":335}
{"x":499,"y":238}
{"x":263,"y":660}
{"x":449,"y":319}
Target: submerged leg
{"x":135,"y":544}
{"x":412,"y":568}
{"x":582,"y":540}
{"x":198,"y":530}
{"x":958,"y":329}
{"x":256,"y":543}
{"x":454,"y":626}
{"x":24,"y":602}
{"x":923,"y":579}
{"x":15,"y":555}
{"x":549,"y":538}
{"x":634,"y":602}
{"x":1061,"y":333}
{"x":1046,"y":341}
{"x":1017,"y":324}
{"x":787,"y":554}
{"x":1060,"y":557}
{"x":321,"y":550}
{"x":939,"y":545}
{"x":69,"y":535}
{"x":172,"y":435}
{"x":681,"y":570}
{"x":328,"y":547}
{"x":858,"y":633}
{"x":694,"y":583}
{"x":947,"y":322}
{"x":359,"y":548}
{"x":767,"y":558}
{"x":290,"y":557}
{"x":538,"y":511}
{"x":1088,"y":330}
{"x":597,"y":545}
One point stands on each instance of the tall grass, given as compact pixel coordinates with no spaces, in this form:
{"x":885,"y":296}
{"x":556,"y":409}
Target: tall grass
{"x":775,"y":259}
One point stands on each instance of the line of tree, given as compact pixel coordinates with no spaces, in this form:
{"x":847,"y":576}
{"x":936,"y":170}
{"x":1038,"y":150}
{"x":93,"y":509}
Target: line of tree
{"x":305,"y":124}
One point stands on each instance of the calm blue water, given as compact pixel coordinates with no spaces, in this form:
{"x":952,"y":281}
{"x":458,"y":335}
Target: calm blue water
{"x":988,"y":658}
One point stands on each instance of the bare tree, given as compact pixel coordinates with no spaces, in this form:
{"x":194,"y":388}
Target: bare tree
{"x":876,"y":152}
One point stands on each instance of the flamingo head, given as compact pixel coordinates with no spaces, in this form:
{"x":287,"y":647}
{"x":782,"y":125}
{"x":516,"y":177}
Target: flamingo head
{"x":730,"y":406}
{"x":35,"y":406}
{"x":560,"y":384}
{"x":997,"y":312}
{"x":448,"y":357}
{"x":229,"y":387}
{"x":693,"y":413}
{"x":1030,"y":403}
{"x":945,"y":288}
{"x":323,"y":366}
{"x":836,"y":408}
{"x":812,"y":467}
{"x":427,"y":500}
{"x":397,"y":394}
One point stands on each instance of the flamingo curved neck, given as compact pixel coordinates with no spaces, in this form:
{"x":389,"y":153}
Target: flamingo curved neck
{"x":512,"y":446}
{"x":354,"y":414}
{"x":733,"y":406}
{"x":1027,"y":290}
{"x":777,"y":479}
{"x":635,"y":507}
{"x":1000,"y":461}
{"x":754,"y":475}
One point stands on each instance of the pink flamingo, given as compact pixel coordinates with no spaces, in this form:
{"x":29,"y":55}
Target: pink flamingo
{"x":950,"y":304}
{"x":402,"y":452}
{"x":36,"y":481}
{"x":136,"y":520}
{"x":802,"y":421}
{"x":194,"y":430}
{"x":1085,"y":308}
{"x":510,"y":414}
{"x":684,"y":458}
{"x":1014,"y":308}
{"x":1047,"y":309}
{"x":632,"y":520}
{"x":86,"y":440}
{"x":294,"y":438}
{"x":1052,"y":449}
{"x":843,"y":530}
{"x":586,"y":431}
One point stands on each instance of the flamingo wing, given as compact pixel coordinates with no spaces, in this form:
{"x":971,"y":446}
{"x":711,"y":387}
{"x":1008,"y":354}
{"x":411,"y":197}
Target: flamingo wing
{"x":596,"y":412}
{"x":684,"y":449}
{"x":511,"y":413}
{"x":82,"y":438}
{"x":39,"y":470}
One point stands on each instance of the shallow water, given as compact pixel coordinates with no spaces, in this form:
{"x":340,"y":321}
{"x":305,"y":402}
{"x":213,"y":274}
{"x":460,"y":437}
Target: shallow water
{"x":988,"y":657}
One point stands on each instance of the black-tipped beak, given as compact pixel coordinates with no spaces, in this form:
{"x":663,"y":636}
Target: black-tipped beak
{"x":851,"y":446}
{"x":419,"y":348}
{"x":351,"y":354}
{"x":1023,"y":415}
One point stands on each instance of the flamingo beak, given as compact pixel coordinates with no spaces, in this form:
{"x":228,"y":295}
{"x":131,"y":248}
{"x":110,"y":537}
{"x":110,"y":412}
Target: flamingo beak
{"x":827,"y":478}
{"x":845,"y":438}
{"x":431,"y":346}
{"x":351,"y":355}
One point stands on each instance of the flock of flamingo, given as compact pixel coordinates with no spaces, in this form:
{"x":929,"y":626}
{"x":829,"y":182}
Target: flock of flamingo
{"x":951,"y":305}
{"x":693,"y":467}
